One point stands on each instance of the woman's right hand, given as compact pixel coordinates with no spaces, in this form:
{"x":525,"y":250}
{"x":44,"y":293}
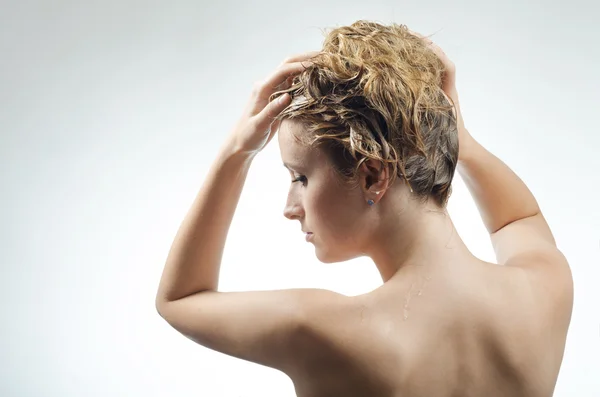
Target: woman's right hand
{"x":449,"y":88}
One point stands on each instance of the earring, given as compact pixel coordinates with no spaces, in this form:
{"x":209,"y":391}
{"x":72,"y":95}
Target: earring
{"x":371,"y":202}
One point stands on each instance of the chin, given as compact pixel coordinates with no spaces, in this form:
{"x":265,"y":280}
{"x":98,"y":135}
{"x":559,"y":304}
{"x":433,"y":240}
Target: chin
{"x":327,"y":256}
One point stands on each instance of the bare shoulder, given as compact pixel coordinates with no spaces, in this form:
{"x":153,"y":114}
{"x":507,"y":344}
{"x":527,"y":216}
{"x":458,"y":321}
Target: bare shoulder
{"x":545,"y":284}
{"x":524,"y":296}
{"x":529,"y":246}
{"x":327,"y":313}
{"x":336,"y":345}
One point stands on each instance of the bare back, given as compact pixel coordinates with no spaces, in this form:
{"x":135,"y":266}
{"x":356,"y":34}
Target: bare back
{"x":475,"y":330}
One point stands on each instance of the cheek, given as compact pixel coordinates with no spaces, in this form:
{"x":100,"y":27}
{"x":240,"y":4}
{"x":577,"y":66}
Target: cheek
{"x":325,"y":201}
{"x":335,"y":211}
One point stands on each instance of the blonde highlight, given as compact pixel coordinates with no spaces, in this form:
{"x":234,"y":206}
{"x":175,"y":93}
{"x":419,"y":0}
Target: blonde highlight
{"x":374,"y":92}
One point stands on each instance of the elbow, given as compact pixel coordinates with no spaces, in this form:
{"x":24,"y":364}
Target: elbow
{"x":160,"y":304}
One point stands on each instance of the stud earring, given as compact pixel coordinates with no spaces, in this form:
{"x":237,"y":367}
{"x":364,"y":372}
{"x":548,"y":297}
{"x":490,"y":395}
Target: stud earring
{"x":370,"y":202}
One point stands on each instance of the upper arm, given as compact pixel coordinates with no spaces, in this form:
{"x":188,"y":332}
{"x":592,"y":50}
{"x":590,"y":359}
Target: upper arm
{"x":522,"y":237}
{"x":257,"y":326}
{"x":528,"y":244}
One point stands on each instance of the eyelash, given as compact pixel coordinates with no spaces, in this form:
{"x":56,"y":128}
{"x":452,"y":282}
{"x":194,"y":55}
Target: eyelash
{"x":300,"y":178}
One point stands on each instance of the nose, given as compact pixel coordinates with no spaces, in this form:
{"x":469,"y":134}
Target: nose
{"x":293,"y":210}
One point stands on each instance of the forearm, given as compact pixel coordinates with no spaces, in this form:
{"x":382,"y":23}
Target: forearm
{"x":500,"y":195}
{"x":194,"y":259}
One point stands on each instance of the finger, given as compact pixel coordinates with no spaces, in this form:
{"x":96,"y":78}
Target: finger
{"x":301,"y":57}
{"x":275,"y":126}
{"x":285,"y":85}
{"x":273,"y":109}
{"x":280,"y":76}
{"x":304,"y":59}
{"x":289,"y":81}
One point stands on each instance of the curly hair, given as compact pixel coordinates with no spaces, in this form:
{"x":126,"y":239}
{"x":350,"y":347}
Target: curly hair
{"x":374,"y":92}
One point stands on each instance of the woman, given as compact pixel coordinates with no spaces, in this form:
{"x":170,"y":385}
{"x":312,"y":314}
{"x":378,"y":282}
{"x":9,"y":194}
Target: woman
{"x":371,"y":131}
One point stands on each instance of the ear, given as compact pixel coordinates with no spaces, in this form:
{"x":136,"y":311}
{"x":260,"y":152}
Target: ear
{"x":374,"y":179}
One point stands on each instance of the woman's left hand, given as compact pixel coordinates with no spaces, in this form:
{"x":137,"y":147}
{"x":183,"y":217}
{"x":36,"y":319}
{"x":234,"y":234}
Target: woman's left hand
{"x":256,"y":128}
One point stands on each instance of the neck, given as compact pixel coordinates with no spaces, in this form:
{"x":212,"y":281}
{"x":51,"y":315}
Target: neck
{"x":423,"y":236}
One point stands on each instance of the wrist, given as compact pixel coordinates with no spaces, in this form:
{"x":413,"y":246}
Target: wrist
{"x":231,"y":150}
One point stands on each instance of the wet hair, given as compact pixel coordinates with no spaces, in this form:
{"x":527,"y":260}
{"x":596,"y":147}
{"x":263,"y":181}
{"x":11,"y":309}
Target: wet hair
{"x":374,"y":92}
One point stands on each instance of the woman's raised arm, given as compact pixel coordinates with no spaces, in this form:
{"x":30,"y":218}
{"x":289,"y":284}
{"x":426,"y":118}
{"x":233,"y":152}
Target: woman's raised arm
{"x":520,"y":235}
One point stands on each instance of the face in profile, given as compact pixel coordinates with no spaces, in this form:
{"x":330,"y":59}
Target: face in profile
{"x":336,"y":214}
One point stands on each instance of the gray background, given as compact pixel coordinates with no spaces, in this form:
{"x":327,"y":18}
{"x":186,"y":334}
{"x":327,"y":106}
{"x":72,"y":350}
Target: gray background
{"x":112,"y":111}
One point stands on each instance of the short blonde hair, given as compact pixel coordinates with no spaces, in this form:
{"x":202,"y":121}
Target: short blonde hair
{"x":374,"y":92}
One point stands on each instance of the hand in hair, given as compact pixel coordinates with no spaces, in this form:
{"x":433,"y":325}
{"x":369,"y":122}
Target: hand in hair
{"x":256,"y":127}
{"x":449,"y":88}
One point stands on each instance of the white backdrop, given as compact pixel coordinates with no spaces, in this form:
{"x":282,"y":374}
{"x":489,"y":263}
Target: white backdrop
{"x":112,"y":111}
